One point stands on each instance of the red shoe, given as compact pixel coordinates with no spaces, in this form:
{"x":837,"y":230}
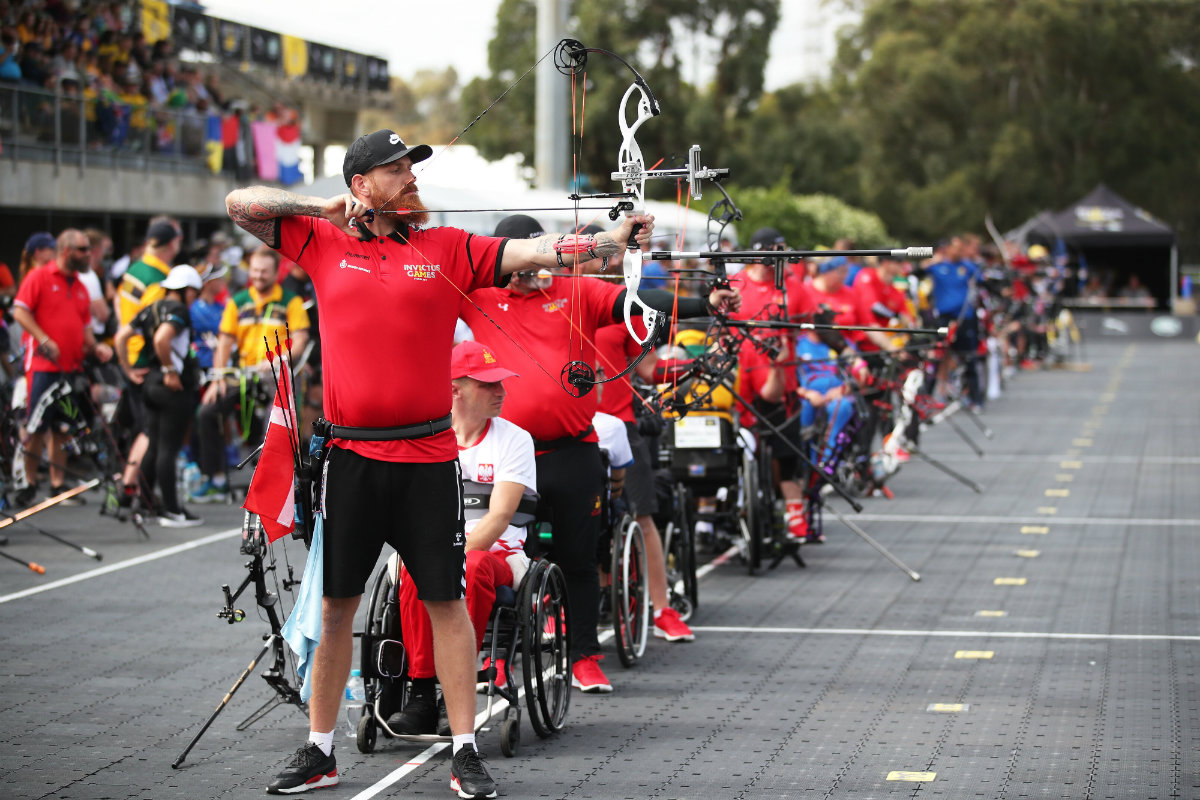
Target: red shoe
{"x":482,"y":686}
{"x":587,"y":676}
{"x":668,"y":625}
{"x":797,"y":521}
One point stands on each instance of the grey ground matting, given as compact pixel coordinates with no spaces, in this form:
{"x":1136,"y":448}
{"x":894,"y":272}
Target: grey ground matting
{"x":1051,"y":648}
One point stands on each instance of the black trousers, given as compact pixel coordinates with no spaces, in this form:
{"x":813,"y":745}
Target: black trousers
{"x":571,"y":484}
{"x":168,"y":415}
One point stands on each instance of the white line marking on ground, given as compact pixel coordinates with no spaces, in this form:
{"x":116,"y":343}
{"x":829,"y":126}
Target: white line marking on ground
{"x":120,"y":565}
{"x":1010,"y":458}
{"x":423,"y":758}
{"x":979,"y":519}
{"x":1111,"y":637}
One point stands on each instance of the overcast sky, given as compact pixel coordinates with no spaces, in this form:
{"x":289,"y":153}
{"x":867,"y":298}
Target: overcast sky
{"x":432,"y":35}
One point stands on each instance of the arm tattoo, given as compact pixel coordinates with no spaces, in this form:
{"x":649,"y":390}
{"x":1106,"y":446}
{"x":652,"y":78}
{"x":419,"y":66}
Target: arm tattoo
{"x":257,"y":210}
{"x":606,"y":247}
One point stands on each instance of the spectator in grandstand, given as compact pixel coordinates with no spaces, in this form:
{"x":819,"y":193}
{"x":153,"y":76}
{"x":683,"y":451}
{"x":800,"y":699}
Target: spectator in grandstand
{"x":401,"y":485}
{"x":253,"y":321}
{"x":39,"y":249}
{"x":53,"y":308}
{"x":10,"y":64}
{"x":168,"y":385}
{"x":498,"y":471}
{"x":553,"y":321}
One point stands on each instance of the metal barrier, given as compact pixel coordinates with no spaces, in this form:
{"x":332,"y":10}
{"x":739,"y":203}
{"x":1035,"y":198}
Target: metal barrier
{"x":106,"y":130}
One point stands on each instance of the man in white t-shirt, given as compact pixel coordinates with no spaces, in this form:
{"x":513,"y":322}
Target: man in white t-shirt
{"x":498,"y":473}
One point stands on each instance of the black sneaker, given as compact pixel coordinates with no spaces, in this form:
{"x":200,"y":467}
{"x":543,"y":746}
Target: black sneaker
{"x":308,"y":769}
{"x":420,"y":716}
{"x":443,"y":718}
{"x":25,"y":497}
{"x":178,"y":519}
{"x":76,"y":500}
{"x":469,"y":775}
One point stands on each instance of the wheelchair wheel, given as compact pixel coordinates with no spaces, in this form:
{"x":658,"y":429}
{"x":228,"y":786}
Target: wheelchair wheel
{"x":751,"y":513}
{"x":510,"y":736}
{"x":381,"y":645}
{"x":366,"y":733}
{"x":630,"y":592}
{"x":679,"y":547}
{"x":545,"y":650}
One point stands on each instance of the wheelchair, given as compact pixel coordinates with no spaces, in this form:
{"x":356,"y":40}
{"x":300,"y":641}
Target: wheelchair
{"x":529,"y":623}
{"x":629,"y":588}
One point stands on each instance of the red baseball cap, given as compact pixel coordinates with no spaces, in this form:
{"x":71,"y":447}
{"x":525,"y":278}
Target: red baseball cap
{"x":472,"y":360}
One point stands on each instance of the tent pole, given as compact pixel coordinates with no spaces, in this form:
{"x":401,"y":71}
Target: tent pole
{"x":1174,"y":276}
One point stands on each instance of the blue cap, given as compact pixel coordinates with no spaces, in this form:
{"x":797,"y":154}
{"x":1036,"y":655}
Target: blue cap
{"x":831,"y":265}
{"x":40,"y":240}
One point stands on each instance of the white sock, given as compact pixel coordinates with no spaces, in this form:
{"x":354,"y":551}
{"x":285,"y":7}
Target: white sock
{"x":461,"y":740}
{"x":322,"y":740}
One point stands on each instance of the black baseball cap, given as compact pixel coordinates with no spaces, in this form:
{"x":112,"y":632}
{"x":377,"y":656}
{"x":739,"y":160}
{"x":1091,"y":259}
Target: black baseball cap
{"x":766,"y":239}
{"x":519,"y":226}
{"x":162,"y":232}
{"x":373,"y":150}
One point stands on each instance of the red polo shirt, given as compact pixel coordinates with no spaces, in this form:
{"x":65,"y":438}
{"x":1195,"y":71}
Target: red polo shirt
{"x":538,"y":334}
{"x":758,"y":295}
{"x":388,"y":311}
{"x":59,"y":303}
{"x":871,"y":289}
{"x":845,"y":305}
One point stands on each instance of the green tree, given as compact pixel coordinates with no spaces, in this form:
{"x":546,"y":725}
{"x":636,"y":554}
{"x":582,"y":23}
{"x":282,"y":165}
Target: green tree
{"x":962,"y":107}
{"x":643,"y":34}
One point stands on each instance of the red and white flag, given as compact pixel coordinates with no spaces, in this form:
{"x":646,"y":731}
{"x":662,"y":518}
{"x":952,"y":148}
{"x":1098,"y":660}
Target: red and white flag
{"x":271,"y":494}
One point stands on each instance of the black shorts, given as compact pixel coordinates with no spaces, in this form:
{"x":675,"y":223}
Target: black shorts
{"x":966,"y":338}
{"x":55,"y":416}
{"x":416,"y":508}
{"x":639,"y":476}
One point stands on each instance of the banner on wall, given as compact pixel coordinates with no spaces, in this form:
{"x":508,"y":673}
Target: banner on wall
{"x":156,"y":20}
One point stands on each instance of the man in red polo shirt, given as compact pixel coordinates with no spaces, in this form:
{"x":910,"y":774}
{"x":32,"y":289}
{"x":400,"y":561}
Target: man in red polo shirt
{"x":54,"y":308}
{"x":756,"y":284}
{"x":390,"y":293}
{"x":551,"y":321}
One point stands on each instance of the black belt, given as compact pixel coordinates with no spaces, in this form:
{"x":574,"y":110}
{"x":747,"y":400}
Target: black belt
{"x":557,"y":444}
{"x":419,"y":430}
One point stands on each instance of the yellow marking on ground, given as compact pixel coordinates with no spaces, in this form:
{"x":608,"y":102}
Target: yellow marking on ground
{"x":1058,"y":493}
{"x":1082,"y":442}
{"x":904,"y":775}
{"x":1036,"y":529}
{"x":948,"y":708}
{"x":1029,"y":553}
{"x":1073,"y":452}
{"x":1064,"y":477}
{"x":1070,"y":465}
{"x":1009,"y":581}
{"x":974,"y":654}
{"x":1047,"y":510}
{"x":991,"y":613}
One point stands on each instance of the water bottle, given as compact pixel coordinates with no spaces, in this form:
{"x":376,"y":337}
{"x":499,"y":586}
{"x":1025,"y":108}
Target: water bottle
{"x":192,"y":478}
{"x":355,"y":698}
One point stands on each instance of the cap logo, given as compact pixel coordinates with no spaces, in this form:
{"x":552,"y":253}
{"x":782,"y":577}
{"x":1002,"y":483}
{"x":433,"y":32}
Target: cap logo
{"x":488,"y":358}
{"x":394,"y":139}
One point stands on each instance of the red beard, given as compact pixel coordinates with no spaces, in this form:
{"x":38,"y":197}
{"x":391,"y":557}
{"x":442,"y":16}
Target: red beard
{"x":408,"y":201}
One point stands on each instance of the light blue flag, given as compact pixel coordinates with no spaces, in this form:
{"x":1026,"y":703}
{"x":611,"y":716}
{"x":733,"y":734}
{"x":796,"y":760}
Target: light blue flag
{"x":302,"y":631}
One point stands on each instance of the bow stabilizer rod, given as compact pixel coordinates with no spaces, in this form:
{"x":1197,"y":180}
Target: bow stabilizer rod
{"x":761,"y":255}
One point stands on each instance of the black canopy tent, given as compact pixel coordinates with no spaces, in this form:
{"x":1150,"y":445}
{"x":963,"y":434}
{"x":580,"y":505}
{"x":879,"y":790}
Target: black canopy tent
{"x":1113,"y":235}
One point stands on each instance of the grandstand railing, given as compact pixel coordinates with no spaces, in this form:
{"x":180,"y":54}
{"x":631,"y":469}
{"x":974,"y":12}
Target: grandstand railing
{"x":71,"y":130}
